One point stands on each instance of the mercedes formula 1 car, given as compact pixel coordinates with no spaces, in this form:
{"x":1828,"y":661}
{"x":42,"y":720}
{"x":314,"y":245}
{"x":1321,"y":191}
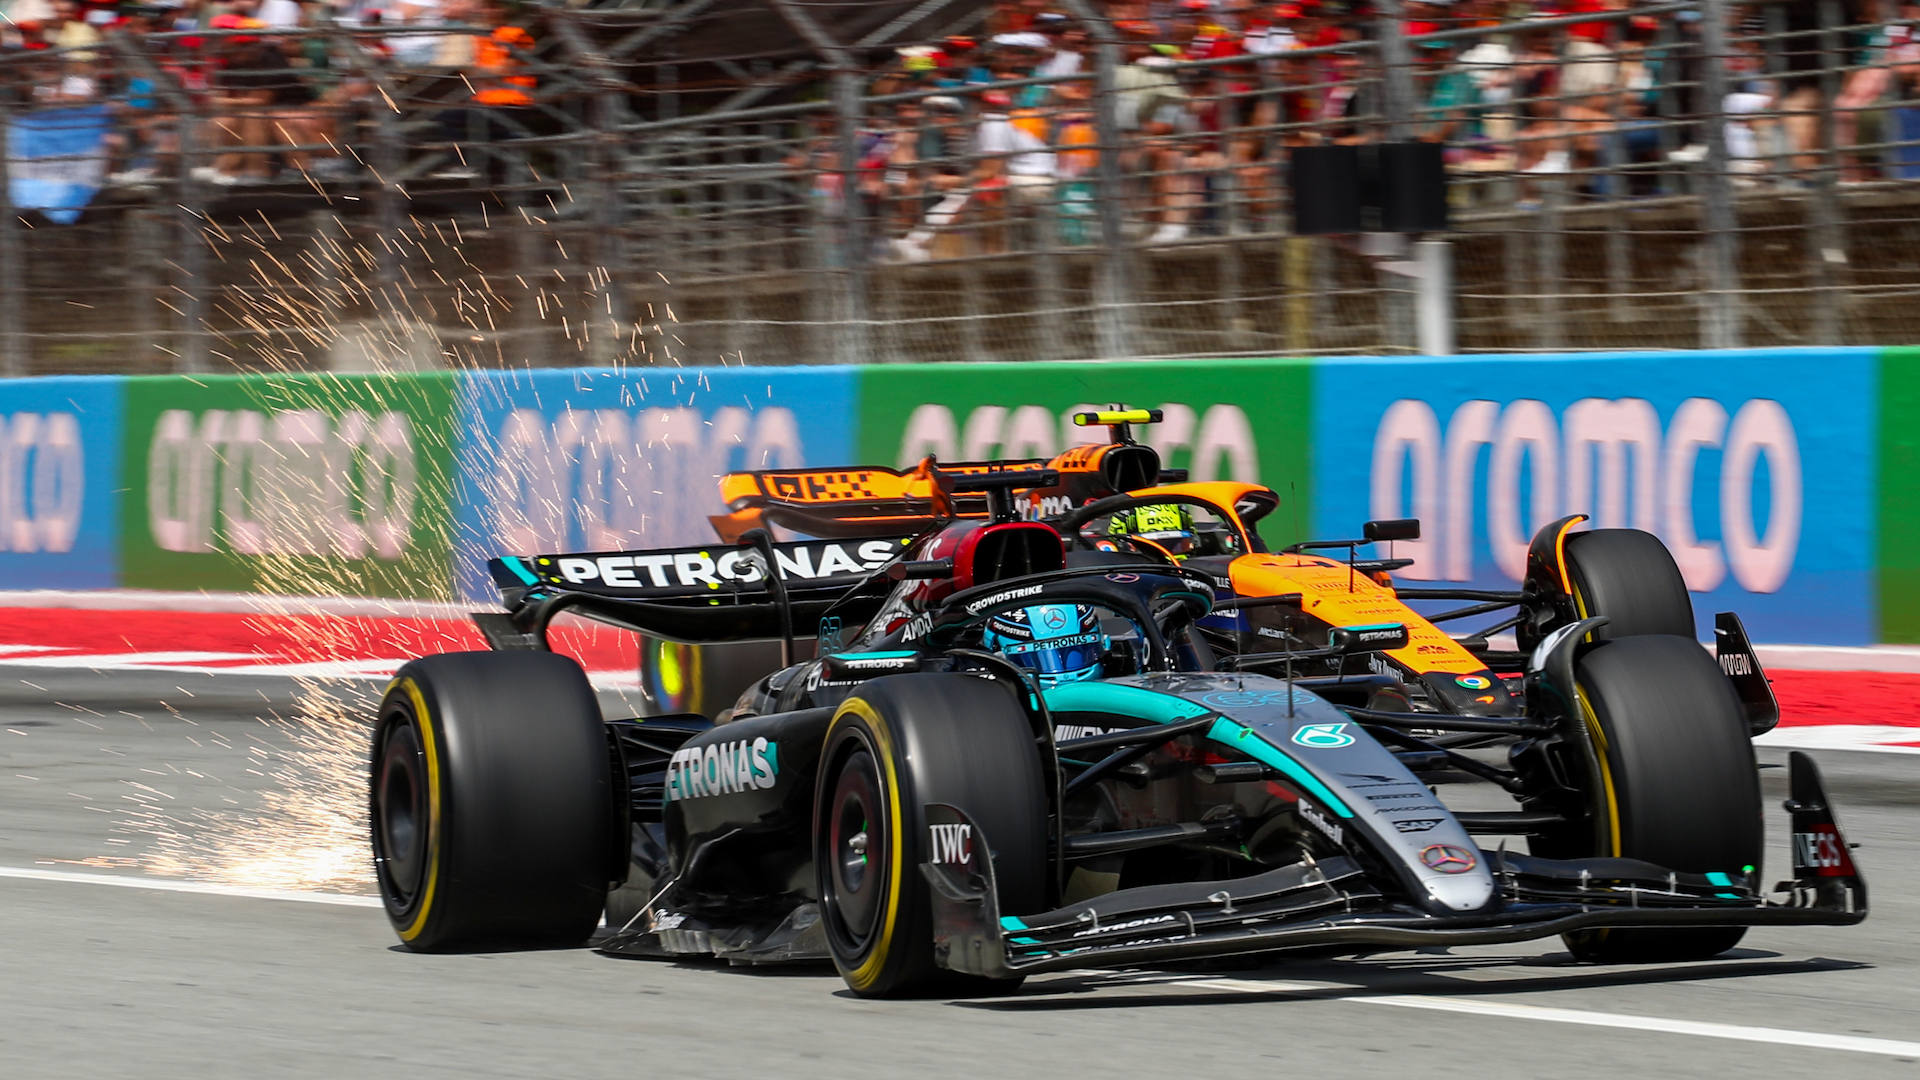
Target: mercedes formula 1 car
{"x":978,"y":752}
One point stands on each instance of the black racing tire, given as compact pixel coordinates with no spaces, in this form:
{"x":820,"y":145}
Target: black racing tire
{"x":491,"y":808}
{"x":1677,"y":783}
{"x":896,"y":744}
{"x":1630,"y":577}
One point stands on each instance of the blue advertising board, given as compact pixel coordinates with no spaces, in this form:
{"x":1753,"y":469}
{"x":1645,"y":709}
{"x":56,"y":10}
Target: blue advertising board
{"x":1756,"y":468}
{"x":605,"y":459}
{"x":59,"y":482}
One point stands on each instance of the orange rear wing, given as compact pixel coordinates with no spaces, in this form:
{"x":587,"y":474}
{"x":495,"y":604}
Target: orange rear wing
{"x":858,"y":501}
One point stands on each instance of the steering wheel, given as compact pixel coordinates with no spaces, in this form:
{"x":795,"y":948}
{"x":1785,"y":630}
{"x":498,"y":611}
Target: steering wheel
{"x":1069,"y":524}
{"x":1188,"y":592}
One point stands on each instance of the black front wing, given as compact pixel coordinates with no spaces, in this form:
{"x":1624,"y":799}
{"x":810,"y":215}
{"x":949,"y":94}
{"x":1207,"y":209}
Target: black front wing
{"x":1332,"y":902}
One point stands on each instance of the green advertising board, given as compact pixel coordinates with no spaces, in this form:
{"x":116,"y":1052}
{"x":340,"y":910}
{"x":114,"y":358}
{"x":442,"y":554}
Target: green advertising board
{"x":1898,"y":527}
{"x":289,"y":484}
{"x":1225,"y":419}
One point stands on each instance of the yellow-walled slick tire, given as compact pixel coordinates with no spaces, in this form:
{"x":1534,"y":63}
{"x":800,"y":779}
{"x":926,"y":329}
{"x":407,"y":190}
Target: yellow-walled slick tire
{"x":490,"y":802}
{"x":1677,"y":784}
{"x":897,"y":744}
{"x":1630,"y":577}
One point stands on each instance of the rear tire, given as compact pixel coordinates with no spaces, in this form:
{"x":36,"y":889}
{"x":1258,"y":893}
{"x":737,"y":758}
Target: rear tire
{"x":491,"y":807}
{"x":1677,"y":786}
{"x":899,"y":743}
{"x":1630,"y":577}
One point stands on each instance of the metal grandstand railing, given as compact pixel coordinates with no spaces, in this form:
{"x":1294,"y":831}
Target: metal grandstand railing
{"x":1668,"y":176}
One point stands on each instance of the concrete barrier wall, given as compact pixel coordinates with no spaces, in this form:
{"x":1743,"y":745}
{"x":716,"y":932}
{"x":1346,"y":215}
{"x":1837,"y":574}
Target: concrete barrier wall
{"x":1782,"y":479}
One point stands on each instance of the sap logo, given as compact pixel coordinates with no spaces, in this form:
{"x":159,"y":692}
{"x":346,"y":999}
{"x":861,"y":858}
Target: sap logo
{"x":1121,"y":927}
{"x":1415,"y":825}
{"x":1737,"y":663}
{"x":43,"y":481}
{"x":1219,"y":444}
{"x":615,"y":480}
{"x":952,"y":844}
{"x":985,"y":602}
{"x":696,"y":772}
{"x":1333,"y":832}
{"x":299,"y":482}
{"x":1605,"y":458}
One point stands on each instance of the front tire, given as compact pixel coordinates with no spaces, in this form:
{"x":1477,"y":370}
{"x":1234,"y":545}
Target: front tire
{"x":1677,"y":784}
{"x":899,"y":743}
{"x":490,"y":803}
{"x":1630,"y":577}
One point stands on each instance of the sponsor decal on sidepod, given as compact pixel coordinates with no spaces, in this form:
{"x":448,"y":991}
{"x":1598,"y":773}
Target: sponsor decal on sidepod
{"x":696,"y":772}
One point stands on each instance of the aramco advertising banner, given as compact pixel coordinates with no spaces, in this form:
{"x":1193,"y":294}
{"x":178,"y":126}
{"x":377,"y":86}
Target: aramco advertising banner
{"x":1756,"y":471}
{"x":612,"y":460}
{"x":1781,"y":479}
{"x":1223,"y":419}
{"x":300,"y":485}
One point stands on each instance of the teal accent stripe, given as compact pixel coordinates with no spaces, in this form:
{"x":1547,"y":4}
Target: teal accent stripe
{"x":1720,"y":879}
{"x":512,"y":562}
{"x":894,"y":654}
{"x":1008,"y":922}
{"x":1125,"y":700}
{"x":1166,"y":709}
{"x":1244,"y":739}
{"x":1025,"y":940}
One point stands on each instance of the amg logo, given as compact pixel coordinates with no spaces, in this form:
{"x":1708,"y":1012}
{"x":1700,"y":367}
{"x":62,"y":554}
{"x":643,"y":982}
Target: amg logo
{"x":1064,"y":732}
{"x":985,"y":602}
{"x":1407,"y":825}
{"x":1335,"y":833}
{"x":695,"y":772}
{"x":1737,"y":663}
{"x":952,"y":845}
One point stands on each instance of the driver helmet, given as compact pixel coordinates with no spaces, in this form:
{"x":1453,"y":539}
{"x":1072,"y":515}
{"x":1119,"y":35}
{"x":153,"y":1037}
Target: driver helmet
{"x":1168,"y":526}
{"x":1059,"y":643}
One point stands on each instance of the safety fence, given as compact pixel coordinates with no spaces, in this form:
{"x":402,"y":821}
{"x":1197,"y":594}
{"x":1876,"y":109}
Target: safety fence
{"x":1779,"y":478}
{"x":1671,"y":175}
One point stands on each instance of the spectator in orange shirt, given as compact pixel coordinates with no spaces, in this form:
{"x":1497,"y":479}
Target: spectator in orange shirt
{"x":503,"y":92}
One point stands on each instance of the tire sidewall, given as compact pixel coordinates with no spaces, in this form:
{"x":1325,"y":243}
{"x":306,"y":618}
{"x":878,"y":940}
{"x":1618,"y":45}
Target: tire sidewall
{"x":405,"y":707}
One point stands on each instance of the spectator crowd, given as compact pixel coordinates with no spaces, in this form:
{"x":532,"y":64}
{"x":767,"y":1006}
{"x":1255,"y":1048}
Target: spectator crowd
{"x":999,"y":136}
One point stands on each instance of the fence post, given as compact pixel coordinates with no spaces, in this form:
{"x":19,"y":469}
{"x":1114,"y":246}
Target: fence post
{"x":13,"y":290}
{"x":1720,"y":264}
{"x":852,"y":314}
{"x":1827,"y":241}
{"x":1396,"y":61}
{"x":192,"y":240}
{"x":1434,"y":296}
{"x":1114,"y":337}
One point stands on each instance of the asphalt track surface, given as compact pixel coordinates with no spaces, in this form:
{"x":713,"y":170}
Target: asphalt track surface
{"x":151,"y":981}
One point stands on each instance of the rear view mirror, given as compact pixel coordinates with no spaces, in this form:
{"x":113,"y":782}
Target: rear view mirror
{"x":1343,"y":640}
{"x":1394,"y":529}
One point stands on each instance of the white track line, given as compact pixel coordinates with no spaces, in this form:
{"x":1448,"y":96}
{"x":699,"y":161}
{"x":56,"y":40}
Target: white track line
{"x":202,"y":887}
{"x":1813,"y":1040}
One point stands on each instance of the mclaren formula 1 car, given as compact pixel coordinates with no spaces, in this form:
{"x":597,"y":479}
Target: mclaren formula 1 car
{"x":1005,"y":757}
